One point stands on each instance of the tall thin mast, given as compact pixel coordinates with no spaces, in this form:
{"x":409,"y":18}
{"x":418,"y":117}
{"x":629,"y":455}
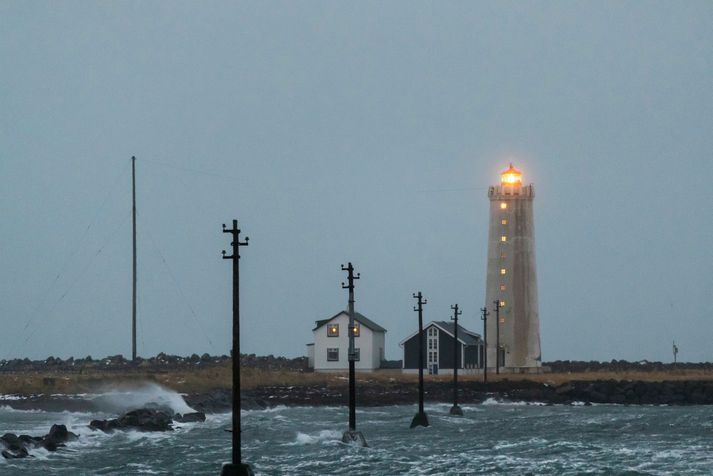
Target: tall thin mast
{"x":133,"y":296}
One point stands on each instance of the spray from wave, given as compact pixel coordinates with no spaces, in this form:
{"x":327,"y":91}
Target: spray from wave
{"x":146,"y":394}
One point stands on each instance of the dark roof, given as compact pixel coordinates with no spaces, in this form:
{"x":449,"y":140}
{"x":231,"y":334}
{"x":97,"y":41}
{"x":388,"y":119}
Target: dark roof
{"x":360,"y":318}
{"x":468,"y":337}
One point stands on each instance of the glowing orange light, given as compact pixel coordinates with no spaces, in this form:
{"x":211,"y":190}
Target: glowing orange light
{"x":511,"y":176}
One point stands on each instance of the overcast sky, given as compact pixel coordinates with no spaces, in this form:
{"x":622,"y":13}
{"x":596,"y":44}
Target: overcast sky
{"x":352,"y":131}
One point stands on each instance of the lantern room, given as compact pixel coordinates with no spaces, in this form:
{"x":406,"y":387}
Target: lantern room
{"x":511,"y":176}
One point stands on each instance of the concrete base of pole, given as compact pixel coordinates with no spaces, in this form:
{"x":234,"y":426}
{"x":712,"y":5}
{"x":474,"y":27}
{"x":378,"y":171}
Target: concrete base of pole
{"x":420,"y":419}
{"x":355,"y":438}
{"x":242,"y":469}
{"x":456,"y":410}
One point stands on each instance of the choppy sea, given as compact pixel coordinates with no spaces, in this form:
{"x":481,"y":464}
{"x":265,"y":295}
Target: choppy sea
{"x":491,"y":438}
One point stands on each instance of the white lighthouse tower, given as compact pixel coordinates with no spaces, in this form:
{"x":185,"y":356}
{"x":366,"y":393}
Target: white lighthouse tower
{"x":512,"y":276}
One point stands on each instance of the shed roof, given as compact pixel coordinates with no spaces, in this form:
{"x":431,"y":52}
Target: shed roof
{"x":465,"y":336}
{"x":360,"y":318}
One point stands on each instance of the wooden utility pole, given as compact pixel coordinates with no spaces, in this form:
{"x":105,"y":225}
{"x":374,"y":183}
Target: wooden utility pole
{"x":420,"y":419}
{"x":236,"y":467}
{"x":497,"y":336}
{"x":351,"y":435}
{"x":484,"y":318}
{"x":455,"y":409}
{"x":133,"y":293}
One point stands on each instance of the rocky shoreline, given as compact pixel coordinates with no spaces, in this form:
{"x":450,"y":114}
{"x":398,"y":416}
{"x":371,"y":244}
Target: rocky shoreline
{"x":677,"y":392}
{"x":680,"y":392}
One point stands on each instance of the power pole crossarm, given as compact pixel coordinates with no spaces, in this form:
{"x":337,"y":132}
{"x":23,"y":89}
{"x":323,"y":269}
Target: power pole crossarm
{"x":351,"y":435}
{"x":133,"y":293}
{"x":420,"y":419}
{"x":455,"y":409}
{"x":237,"y":468}
{"x":497,"y":336}
{"x":484,"y":318}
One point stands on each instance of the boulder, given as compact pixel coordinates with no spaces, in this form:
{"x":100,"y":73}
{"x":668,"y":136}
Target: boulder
{"x":57,"y":437}
{"x":107,"y":426}
{"x":189,"y":417}
{"x":144,"y":419}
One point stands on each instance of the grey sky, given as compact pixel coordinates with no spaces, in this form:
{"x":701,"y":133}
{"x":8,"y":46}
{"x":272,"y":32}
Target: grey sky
{"x":325,"y":128}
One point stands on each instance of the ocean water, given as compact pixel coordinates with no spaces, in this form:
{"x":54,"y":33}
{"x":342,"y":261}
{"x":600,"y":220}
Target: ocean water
{"x":491,"y":438}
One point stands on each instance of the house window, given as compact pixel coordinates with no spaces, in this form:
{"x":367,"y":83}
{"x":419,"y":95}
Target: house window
{"x":332,"y":355}
{"x":503,"y":238}
{"x":503,"y":271}
{"x":333,"y":330}
{"x":355,"y":329}
{"x":503,"y":205}
{"x":503,"y":221}
{"x":502,"y":287}
{"x":357,"y":354}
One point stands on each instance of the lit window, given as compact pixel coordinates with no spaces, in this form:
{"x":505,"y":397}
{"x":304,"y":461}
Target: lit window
{"x":503,"y":271}
{"x":333,"y":330}
{"x":503,"y":238}
{"x":502,"y":287}
{"x":503,"y":221}
{"x":502,"y":303}
{"x":332,"y":355}
{"x":355,"y":329}
{"x":357,"y":354}
{"x":503,"y":205}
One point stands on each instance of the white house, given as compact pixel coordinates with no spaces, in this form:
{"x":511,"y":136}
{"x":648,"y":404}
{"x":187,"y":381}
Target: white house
{"x":330,"y":350}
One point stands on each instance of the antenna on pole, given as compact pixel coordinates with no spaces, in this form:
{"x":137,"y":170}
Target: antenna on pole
{"x":351,"y":435}
{"x":455,"y":409}
{"x":236,"y":467}
{"x":420,"y":419}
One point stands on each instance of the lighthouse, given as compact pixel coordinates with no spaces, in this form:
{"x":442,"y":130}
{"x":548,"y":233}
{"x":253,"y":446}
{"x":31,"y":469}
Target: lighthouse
{"x":512,"y":276}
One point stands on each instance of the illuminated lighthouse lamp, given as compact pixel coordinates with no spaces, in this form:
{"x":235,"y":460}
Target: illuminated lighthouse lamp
{"x":511,"y":176}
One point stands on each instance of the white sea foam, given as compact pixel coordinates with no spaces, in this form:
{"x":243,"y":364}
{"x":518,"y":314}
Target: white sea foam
{"x":322,"y":436}
{"x":126,"y":399}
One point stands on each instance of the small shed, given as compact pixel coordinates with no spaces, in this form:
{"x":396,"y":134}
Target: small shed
{"x":438,"y":349}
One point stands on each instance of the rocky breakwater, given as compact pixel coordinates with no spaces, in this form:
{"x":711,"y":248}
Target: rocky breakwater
{"x":14,"y":446}
{"x":677,"y":392}
{"x":143,"y":419}
{"x":146,"y":419}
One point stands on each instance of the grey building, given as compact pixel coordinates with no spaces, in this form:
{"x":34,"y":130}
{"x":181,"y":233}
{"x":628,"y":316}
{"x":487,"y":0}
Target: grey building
{"x":512,"y":275}
{"x":438,"y":349}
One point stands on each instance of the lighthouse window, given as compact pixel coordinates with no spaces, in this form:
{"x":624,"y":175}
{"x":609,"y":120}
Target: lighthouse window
{"x":503,"y":205}
{"x":332,"y":355}
{"x":502,"y":303}
{"x":503,"y":238}
{"x":503,"y":255}
{"x":503,"y":271}
{"x":503,"y":221}
{"x":333,"y":330}
{"x":502,"y":287}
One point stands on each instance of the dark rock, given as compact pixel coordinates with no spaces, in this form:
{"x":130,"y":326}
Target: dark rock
{"x":13,"y":454}
{"x":107,"y":426}
{"x":189,"y":417}
{"x":144,"y":419}
{"x":58,"y":436}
